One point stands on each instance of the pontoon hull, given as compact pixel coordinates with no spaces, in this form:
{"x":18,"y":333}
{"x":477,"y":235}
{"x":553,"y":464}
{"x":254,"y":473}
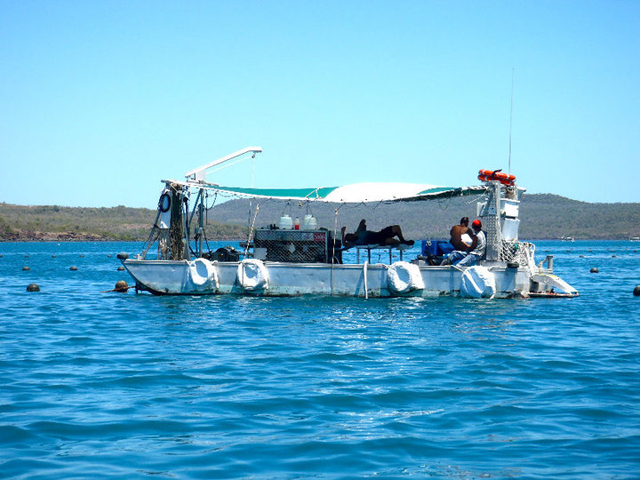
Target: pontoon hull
{"x":164,"y":277}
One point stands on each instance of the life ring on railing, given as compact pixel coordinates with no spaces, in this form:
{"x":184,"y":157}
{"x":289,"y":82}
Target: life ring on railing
{"x":478,"y":282}
{"x":164,"y":204}
{"x":203,"y":274}
{"x":404,"y":277}
{"x":253,"y":275}
{"x":503,"y":178}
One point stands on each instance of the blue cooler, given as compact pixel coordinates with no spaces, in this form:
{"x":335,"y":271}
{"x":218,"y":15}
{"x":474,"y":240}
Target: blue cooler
{"x":436,"y":248}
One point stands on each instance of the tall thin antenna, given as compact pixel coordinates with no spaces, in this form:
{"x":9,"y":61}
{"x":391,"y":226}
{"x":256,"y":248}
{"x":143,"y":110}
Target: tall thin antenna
{"x":513,"y":74}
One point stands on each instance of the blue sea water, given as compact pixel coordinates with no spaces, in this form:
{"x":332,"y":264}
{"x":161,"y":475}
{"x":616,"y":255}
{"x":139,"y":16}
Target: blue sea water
{"x":109,"y":385}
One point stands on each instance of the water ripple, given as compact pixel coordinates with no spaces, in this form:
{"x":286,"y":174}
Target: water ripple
{"x":132,"y":386}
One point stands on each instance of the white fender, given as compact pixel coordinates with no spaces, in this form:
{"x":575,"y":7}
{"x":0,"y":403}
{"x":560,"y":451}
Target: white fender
{"x":253,"y":274}
{"x":404,"y":277}
{"x":203,"y":274}
{"x":478,"y":282}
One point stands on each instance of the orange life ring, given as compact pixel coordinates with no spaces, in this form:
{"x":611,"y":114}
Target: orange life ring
{"x":504,"y":178}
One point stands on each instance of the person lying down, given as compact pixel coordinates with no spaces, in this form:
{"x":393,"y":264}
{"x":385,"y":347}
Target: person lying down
{"x":391,"y":236}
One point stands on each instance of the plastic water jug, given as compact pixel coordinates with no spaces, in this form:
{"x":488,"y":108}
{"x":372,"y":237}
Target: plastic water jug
{"x":309,"y":223}
{"x":285,"y":222}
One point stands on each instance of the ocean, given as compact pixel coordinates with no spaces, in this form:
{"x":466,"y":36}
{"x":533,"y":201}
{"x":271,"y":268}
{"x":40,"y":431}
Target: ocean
{"x":110,"y":385}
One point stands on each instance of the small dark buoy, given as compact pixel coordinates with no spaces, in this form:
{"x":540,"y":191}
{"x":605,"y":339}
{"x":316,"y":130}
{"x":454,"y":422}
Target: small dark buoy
{"x":636,"y":291}
{"x":121,"y":268}
{"x":614,"y":256}
{"x":53,"y":256}
{"x":108,"y":256}
{"x":81,"y":256}
{"x":33,"y":287}
{"x":122,"y":256}
{"x":26,"y":268}
{"x":581,"y":256}
{"x":26,"y":256}
{"x":121,"y":286}
{"x":594,"y":270}
{"x":74,"y":268}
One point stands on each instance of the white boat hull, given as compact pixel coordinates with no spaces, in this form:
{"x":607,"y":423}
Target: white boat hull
{"x":163,"y":277}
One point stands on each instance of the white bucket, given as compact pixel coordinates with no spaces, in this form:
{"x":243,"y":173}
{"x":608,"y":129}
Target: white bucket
{"x":309,"y":223}
{"x":286,"y":223}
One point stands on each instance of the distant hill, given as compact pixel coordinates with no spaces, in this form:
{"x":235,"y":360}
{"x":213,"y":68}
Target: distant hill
{"x":543,"y":216}
{"x":54,"y":223}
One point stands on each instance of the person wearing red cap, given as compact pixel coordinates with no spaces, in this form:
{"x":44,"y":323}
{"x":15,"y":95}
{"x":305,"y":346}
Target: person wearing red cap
{"x":468,"y":258}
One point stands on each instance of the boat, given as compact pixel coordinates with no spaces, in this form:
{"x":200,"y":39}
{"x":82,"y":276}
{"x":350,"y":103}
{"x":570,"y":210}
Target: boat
{"x":283,"y":259}
{"x":634,"y":239}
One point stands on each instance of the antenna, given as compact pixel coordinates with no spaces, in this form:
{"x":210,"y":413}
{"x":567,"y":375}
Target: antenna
{"x":513,"y":74}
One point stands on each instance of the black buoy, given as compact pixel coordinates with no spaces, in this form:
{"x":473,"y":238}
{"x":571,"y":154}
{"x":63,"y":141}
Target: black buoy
{"x":614,"y":256}
{"x":121,"y":286}
{"x":53,"y":256}
{"x":594,"y":270}
{"x":26,"y":268}
{"x":33,"y":287}
{"x":73,"y":268}
{"x":636,"y":291}
{"x":122,"y":256}
{"x":121,"y":268}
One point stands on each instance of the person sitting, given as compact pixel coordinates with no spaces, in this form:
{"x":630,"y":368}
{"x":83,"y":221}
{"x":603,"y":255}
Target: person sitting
{"x":362,"y":236}
{"x":466,"y":258}
{"x":462,"y":237}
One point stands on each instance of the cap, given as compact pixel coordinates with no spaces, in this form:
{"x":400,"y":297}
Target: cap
{"x":477,"y":223}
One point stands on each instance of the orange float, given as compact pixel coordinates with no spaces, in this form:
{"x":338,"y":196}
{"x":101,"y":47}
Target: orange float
{"x":503,"y":178}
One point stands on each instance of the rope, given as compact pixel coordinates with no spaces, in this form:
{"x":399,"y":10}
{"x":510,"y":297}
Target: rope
{"x":246,"y":248}
{"x":333,"y":247}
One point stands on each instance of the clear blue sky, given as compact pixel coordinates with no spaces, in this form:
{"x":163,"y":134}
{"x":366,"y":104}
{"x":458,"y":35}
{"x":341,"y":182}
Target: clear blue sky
{"x":100,"y":100}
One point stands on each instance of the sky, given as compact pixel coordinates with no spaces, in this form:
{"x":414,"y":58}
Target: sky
{"x":101,"y":100}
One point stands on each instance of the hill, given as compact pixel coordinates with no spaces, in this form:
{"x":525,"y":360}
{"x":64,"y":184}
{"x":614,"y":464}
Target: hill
{"x":543,"y":216}
{"x":54,"y":223}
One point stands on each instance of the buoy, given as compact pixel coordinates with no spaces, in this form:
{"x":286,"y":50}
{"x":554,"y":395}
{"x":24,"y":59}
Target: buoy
{"x":26,"y":268}
{"x":108,"y":256}
{"x":636,"y":291}
{"x":122,"y":256}
{"x":81,"y":256}
{"x":120,"y":268}
{"x":74,"y":268}
{"x":34,"y":287}
{"x":53,"y":256}
{"x":121,"y":286}
{"x":594,"y":270}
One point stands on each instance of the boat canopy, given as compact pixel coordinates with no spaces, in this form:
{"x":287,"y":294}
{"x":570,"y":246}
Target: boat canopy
{"x":354,"y":193}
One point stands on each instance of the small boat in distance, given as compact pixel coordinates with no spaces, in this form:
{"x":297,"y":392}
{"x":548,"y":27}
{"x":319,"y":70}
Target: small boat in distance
{"x":634,"y":239}
{"x":567,"y":239}
{"x":283,"y":259}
